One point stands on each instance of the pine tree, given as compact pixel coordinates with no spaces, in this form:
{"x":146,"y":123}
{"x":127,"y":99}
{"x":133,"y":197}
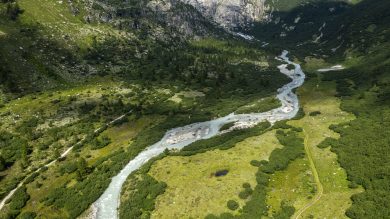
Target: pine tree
{"x":2,"y":164}
{"x":13,"y":10}
{"x":82,"y":169}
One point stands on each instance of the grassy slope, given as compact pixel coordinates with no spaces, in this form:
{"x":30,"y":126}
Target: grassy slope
{"x":43,"y":48}
{"x":120,"y":136}
{"x":45,"y":106}
{"x":56,"y":19}
{"x":60,"y":34}
{"x":362,"y":149}
{"x":192,"y":189}
{"x":14,"y":114}
{"x":335,"y":194}
{"x":54,"y":24}
{"x":363,"y":87}
{"x":293,"y":185}
{"x":331,"y":176}
{"x":296,"y":184}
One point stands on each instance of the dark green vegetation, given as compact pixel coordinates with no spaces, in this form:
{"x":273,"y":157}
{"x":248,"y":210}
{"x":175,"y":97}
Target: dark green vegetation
{"x":33,"y":141}
{"x":247,"y":191}
{"x":364,"y":144}
{"x":133,"y":198}
{"x":133,"y":201}
{"x":68,"y":60}
{"x":259,"y":106}
{"x":74,"y":71}
{"x":227,"y":126}
{"x":232,"y":205}
{"x":256,"y":206}
{"x":92,"y":180}
{"x":139,"y":193}
{"x":12,"y":9}
{"x":326,"y":29}
{"x":358,"y":35}
{"x":76,"y":68}
{"x":285,"y":212}
{"x":223,"y":142}
{"x":17,"y":202}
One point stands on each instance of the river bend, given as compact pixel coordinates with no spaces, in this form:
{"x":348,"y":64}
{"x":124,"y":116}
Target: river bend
{"x":106,"y":207}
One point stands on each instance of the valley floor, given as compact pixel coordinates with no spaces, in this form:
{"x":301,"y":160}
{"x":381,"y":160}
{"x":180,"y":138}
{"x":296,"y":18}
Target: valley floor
{"x":332,"y":191}
{"x":310,"y":183}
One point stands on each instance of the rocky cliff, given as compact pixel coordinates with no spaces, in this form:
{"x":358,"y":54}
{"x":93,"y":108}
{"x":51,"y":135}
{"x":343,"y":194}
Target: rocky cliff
{"x":231,"y":13}
{"x":151,"y":16}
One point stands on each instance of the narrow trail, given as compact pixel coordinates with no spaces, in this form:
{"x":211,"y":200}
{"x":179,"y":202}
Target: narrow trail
{"x":320,"y":188}
{"x":64,"y":154}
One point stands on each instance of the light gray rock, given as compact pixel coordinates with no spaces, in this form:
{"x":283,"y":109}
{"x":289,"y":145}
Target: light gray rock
{"x":231,"y":13}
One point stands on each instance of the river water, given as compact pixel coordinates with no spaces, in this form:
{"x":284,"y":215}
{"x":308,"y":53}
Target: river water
{"x":106,"y":207}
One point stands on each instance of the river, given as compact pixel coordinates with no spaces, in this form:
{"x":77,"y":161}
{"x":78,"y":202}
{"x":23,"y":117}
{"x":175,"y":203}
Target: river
{"x":106,"y":207}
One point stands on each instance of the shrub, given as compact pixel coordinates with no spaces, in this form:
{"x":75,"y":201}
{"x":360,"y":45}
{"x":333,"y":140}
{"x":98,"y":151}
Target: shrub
{"x":28,"y":215}
{"x":232,"y":205}
{"x":227,"y":126}
{"x":100,"y":143}
{"x":245,"y":193}
{"x":300,"y":114}
{"x":18,"y":201}
{"x":285,"y":212}
{"x":225,"y":141}
{"x":144,"y":190}
{"x":31,"y":178}
{"x":2,"y":164}
{"x":246,"y":185}
{"x":13,"y":10}
{"x":290,"y":67}
{"x":255,"y":163}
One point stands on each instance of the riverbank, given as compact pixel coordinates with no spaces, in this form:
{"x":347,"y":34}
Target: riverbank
{"x":107,"y":205}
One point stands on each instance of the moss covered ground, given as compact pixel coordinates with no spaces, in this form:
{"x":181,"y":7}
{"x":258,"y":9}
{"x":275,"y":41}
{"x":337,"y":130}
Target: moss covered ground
{"x":332,"y":191}
{"x":192,"y":188}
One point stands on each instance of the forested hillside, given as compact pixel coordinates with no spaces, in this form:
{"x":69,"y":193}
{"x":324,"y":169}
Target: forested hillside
{"x":87,"y":85}
{"x":66,"y":47}
{"x":364,"y":142}
{"x":327,"y":28}
{"x":357,"y":35}
{"x":67,"y":74}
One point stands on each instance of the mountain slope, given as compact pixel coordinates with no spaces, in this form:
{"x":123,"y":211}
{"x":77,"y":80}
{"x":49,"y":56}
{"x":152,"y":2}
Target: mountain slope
{"x":68,"y":71}
{"x":328,"y":27}
{"x":69,"y":68}
{"x":65,"y":35}
{"x":232,"y":13}
{"x":356,"y":36}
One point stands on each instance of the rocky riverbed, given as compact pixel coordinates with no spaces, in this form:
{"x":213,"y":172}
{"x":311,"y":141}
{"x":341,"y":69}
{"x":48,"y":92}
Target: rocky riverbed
{"x":106,"y":207}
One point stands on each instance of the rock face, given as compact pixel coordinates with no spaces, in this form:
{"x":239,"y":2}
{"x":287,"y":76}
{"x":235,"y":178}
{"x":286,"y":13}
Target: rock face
{"x":183,"y":17}
{"x":188,"y":17}
{"x":231,"y":13}
{"x":152,"y":16}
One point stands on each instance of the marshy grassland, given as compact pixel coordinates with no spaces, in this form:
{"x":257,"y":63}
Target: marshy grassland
{"x":331,"y":185}
{"x":192,"y":188}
